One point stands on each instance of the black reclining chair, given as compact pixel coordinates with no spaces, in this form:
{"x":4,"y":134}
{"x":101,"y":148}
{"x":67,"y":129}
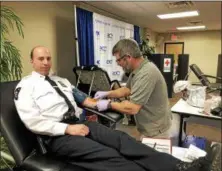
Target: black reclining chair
{"x":91,"y":79}
{"x":204,"y":78}
{"x":22,"y":143}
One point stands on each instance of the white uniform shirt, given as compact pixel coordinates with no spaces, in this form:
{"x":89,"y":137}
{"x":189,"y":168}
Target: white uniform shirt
{"x":40,"y":107}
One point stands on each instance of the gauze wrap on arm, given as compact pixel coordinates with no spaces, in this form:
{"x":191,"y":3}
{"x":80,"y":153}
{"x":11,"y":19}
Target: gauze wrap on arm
{"x":79,"y":96}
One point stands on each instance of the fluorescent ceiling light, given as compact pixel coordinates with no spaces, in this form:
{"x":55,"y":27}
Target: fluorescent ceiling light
{"x":191,"y":27}
{"x":178,"y":15}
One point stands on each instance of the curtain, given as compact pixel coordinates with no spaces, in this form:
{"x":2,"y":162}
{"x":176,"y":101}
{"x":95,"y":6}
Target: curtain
{"x":137,"y":33}
{"x":85,"y":36}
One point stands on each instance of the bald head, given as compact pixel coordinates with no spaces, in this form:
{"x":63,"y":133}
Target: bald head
{"x":37,"y":48}
{"x":41,"y":59}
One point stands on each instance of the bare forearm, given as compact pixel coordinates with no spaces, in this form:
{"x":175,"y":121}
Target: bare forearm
{"x":89,"y":102}
{"x":126,"y":107}
{"x":118,"y":93}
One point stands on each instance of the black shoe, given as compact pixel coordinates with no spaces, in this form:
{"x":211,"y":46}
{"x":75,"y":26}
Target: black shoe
{"x":212,"y":162}
{"x":196,"y":165}
{"x":214,"y":159}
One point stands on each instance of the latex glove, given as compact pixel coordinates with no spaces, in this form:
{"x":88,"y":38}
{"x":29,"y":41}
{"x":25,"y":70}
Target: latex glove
{"x":103,"y":105}
{"x":101,"y":94}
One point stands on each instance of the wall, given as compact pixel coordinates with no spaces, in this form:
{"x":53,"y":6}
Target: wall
{"x":203,"y":48}
{"x":50,"y":24}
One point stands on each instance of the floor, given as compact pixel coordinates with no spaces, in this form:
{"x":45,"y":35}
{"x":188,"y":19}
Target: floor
{"x":131,"y":130}
{"x":209,"y":129}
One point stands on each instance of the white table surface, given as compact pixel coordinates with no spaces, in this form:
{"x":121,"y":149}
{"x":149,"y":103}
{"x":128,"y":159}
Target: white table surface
{"x":183,"y":107}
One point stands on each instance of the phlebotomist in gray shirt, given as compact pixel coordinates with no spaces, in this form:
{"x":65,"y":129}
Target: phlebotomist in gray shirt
{"x":146,"y":89}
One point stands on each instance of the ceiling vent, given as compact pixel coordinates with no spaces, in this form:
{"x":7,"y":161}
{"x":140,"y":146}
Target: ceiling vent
{"x":180,"y":4}
{"x":194,"y":23}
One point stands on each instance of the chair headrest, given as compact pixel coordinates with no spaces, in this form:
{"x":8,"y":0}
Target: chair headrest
{"x":92,"y":76}
{"x":200,"y":75}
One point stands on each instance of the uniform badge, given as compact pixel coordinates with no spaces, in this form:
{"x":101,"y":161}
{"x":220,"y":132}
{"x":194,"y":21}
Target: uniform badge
{"x":16,"y":93}
{"x":62,"y":84}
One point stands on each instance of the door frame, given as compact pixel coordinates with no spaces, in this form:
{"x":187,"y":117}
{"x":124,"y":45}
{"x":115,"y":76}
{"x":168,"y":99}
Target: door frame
{"x":165,"y":44}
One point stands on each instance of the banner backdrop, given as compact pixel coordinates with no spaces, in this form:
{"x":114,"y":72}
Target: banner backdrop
{"x":107,"y":32}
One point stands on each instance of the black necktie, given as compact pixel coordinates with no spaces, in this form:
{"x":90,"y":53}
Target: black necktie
{"x":71,"y":111}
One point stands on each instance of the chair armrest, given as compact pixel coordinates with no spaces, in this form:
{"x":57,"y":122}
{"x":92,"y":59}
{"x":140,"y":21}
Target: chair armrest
{"x":197,"y":84}
{"x":109,"y":114}
{"x":115,"y":83}
{"x":210,"y":76}
{"x":38,"y":162}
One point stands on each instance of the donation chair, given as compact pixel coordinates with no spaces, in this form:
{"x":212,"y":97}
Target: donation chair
{"x":91,"y":79}
{"x":204,"y":79}
{"x":23,"y":144}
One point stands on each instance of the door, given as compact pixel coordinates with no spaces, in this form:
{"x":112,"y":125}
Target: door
{"x":174,"y":48}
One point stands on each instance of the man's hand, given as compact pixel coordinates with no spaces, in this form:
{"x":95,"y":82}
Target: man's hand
{"x":103,"y":105}
{"x":78,"y":129}
{"x":101,"y":94}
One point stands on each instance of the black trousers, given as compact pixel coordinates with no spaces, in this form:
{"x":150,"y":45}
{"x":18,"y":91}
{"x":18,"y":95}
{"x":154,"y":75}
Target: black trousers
{"x":110,"y":150}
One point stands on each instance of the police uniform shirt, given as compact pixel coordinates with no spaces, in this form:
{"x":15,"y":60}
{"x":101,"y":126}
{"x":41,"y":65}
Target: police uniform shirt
{"x":40,"y":107}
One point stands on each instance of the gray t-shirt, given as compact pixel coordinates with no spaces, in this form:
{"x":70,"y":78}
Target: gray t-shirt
{"x":149,"y":89}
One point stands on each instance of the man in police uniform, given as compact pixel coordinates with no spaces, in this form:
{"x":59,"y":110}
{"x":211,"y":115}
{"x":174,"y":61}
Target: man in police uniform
{"x":47,"y":107}
{"x":146,"y":89}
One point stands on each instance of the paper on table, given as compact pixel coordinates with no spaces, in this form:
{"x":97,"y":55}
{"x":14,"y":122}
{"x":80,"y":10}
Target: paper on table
{"x":179,"y":152}
{"x":161,"y":145}
{"x":194,"y":152}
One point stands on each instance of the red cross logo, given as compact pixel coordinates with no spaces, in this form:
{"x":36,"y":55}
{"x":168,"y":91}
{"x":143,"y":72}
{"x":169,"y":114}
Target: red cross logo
{"x":167,"y":62}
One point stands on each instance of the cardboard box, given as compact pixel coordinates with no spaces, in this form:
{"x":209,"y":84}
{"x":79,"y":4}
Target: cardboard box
{"x":209,"y":132}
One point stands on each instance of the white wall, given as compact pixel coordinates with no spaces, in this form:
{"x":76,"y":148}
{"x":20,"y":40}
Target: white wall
{"x":203,"y":48}
{"x":50,"y":24}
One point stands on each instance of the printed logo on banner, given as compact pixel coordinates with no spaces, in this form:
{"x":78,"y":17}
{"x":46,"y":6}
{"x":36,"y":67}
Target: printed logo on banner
{"x":97,"y":33}
{"x":167,"y":65}
{"x":103,"y":48}
{"x":98,"y":21}
{"x":98,"y":62}
{"x":110,"y":36}
{"x":116,"y":73}
{"x":109,"y":61}
{"x":102,"y":22}
{"x":121,"y":37}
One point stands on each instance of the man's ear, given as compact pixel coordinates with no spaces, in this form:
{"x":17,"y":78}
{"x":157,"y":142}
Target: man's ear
{"x":130,"y":57}
{"x":31,"y":61}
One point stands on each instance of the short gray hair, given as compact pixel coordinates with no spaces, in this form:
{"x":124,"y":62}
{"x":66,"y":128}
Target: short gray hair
{"x":127,"y":47}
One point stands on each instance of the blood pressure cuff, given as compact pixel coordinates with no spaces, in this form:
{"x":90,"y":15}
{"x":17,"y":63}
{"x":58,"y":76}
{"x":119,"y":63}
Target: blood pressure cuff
{"x":79,"y":96}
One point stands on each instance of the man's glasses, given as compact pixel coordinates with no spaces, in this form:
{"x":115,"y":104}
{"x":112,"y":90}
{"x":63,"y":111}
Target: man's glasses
{"x":118,"y":60}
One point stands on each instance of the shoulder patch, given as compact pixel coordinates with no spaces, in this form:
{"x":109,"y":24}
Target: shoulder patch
{"x":16,"y":93}
{"x":62,"y":84}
